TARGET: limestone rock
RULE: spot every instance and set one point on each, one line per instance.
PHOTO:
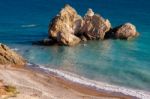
(9, 57)
(125, 31)
(67, 39)
(95, 26)
(68, 28)
(89, 12)
(67, 19)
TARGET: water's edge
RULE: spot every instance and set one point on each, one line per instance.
(99, 86)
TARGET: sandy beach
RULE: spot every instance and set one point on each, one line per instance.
(36, 85)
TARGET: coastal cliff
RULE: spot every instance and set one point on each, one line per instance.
(9, 57)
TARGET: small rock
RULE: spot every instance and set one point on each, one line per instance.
(89, 12)
(83, 38)
(45, 42)
(125, 31)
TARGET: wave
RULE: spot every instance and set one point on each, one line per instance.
(29, 26)
(95, 84)
(15, 49)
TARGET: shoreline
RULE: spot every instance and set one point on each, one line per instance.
(52, 85)
(79, 87)
(98, 87)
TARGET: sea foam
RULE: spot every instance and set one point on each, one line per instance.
(29, 26)
(15, 49)
(96, 84)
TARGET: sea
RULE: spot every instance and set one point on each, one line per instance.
(116, 62)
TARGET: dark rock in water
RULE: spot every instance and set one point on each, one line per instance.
(95, 26)
(83, 38)
(110, 34)
(9, 57)
(45, 42)
(125, 31)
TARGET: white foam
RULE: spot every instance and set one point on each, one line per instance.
(29, 64)
(98, 85)
(29, 25)
(15, 49)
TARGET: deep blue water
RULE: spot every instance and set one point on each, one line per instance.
(117, 62)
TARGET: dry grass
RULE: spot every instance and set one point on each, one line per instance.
(7, 91)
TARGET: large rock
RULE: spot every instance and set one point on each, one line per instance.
(94, 26)
(65, 26)
(9, 57)
(125, 31)
(66, 20)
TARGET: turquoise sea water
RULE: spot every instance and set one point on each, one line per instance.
(125, 63)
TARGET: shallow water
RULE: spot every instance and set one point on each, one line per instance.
(125, 63)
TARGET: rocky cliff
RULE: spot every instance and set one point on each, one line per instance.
(9, 57)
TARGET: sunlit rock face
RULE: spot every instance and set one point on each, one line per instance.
(65, 24)
(9, 57)
(95, 26)
(125, 31)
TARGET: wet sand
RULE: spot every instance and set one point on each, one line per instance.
(35, 84)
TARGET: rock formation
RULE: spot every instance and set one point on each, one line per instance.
(125, 31)
(69, 28)
(9, 57)
(95, 26)
(65, 25)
